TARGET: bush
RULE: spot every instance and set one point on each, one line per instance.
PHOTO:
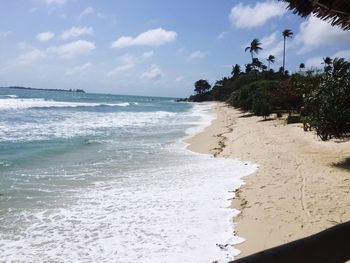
(200, 97)
(257, 97)
(262, 107)
(246, 96)
(329, 106)
(222, 89)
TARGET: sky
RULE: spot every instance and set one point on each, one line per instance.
(151, 47)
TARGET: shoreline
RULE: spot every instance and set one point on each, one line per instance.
(302, 185)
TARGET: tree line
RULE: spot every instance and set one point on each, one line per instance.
(318, 98)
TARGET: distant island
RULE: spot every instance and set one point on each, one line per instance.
(61, 90)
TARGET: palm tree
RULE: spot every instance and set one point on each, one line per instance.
(287, 33)
(327, 61)
(271, 60)
(301, 66)
(236, 70)
(248, 68)
(340, 66)
(257, 64)
(254, 47)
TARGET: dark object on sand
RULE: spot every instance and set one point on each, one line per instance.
(329, 246)
(293, 119)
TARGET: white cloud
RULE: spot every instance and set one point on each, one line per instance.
(154, 37)
(87, 11)
(45, 36)
(179, 78)
(72, 49)
(314, 62)
(33, 10)
(222, 35)
(5, 34)
(267, 41)
(198, 55)
(154, 73)
(129, 59)
(31, 57)
(77, 32)
(125, 67)
(273, 45)
(101, 15)
(78, 69)
(66, 51)
(121, 68)
(55, 2)
(180, 51)
(128, 62)
(315, 32)
(245, 16)
(24, 46)
(342, 54)
(276, 50)
(317, 61)
(148, 54)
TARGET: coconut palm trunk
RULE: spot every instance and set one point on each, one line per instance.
(284, 53)
(286, 34)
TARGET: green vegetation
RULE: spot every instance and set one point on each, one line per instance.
(270, 60)
(328, 103)
(202, 90)
(321, 100)
(254, 48)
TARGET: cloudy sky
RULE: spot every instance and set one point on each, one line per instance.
(152, 47)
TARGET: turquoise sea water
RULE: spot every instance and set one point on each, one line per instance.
(94, 177)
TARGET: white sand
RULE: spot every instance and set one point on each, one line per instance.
(302, 185)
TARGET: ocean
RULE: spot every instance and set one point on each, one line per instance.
(108, 178)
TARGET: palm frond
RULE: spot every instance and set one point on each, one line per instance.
(337, 12)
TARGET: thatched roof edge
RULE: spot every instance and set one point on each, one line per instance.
(335, 11)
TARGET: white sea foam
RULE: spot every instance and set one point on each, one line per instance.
(204, 117)
(78, 124)
(122, 104)
(16, 103)
(175, 211)
(9, 96)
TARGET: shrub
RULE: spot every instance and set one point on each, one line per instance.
(329, 106)
(222, 89)
(262, 106)
(257, 97)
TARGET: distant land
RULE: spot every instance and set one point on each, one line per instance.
(61, 90)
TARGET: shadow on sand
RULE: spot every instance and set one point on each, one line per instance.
(267, 119)
(344, 164)
(246, 115)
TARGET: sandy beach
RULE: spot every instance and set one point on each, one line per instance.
(302, 185)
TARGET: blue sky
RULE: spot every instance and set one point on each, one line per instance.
(152, 47)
